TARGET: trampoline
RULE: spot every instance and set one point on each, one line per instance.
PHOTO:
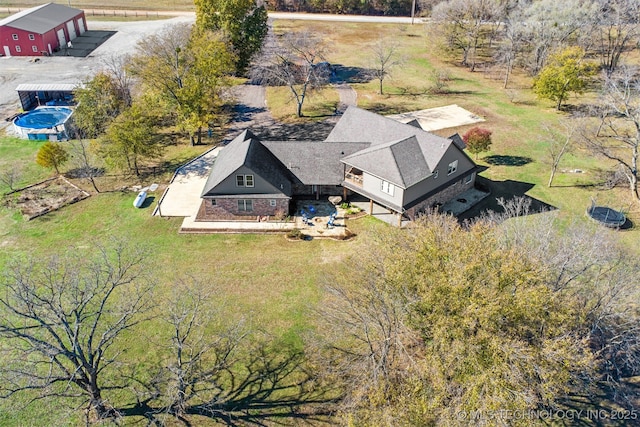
(606, 216)
(43, 123)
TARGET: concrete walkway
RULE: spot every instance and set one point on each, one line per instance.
(182, 196)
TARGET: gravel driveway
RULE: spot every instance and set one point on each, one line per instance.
(65, 69)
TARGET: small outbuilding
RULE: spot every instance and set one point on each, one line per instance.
(40, 30)
(49, 94)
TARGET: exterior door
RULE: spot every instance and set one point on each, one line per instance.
(62, 40)
(71, 29)
(7, 52)
(81, 26)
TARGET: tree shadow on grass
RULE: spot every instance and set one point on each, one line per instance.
(76, 173)
(498, 160)
(505, 190)
(604, 406)
(245, 113)
(302, 131)
(342, 73)
(268, 389)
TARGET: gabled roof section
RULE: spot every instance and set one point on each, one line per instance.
(357, 124)
(400, 162)
(40, 19)
(457, 139)
(246, 150)
(404, 154)
(314, 162)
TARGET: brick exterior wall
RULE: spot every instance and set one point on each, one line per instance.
(227, 209)
(441, 198)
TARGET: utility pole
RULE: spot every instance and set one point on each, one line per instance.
(413, 11)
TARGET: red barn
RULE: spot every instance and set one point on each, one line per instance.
(40, 30)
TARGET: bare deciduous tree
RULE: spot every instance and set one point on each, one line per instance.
(83, 159)
(10, 177)
(466, 24)
(384, 57)
(550, 26)
(617, 136)
(117, 66)
(559, 144)
(295, 62)
(589, 267)
(203, 347)
(64, 317)
(616, 29)
(509, 52)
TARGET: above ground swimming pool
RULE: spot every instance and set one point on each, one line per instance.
(42, 123)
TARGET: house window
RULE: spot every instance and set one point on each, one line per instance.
(272, 203)
(468, 179)
(34, 48)
(387, 187)
(32, 37)
(453, 166)
(435, 174)
(245, 205)
(213, 202)
(14, 36)
(244, 180)
(18, 49)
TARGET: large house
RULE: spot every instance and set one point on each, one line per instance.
(40, 30)
(396, 165)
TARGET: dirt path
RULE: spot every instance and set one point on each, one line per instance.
(251, 110)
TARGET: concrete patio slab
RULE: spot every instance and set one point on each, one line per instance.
(439, 118)
(182, 196)
(316, 226)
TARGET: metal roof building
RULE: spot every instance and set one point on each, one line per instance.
(40, 30)
(37, 94)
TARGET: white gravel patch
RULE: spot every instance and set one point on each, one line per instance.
(439, 118)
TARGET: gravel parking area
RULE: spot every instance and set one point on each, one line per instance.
(66, 69)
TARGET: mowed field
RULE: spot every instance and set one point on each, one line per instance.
(518, 159)
(179, 5)
(275, 283)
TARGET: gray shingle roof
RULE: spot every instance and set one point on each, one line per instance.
(406, 154)
(396, 152)
(247, 150)
(314, 162)
(41, 19)
(399, 162)
(457, 139)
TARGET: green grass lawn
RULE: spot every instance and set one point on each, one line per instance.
(514, 115)
(269, 280)
(319, 104)
(111, 4)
